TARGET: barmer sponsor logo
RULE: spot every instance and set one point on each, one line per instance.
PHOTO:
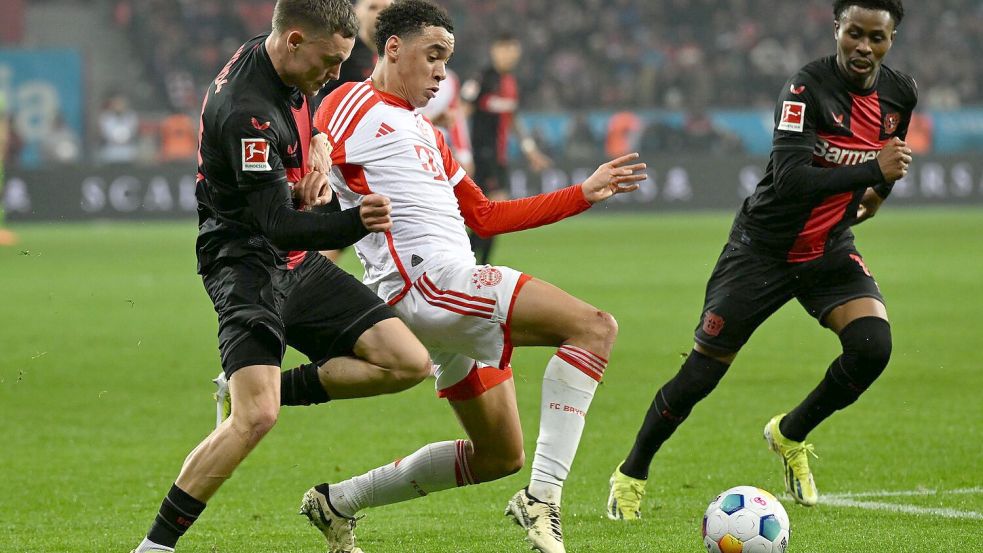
(842, 156)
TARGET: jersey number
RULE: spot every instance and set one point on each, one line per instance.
(426, 155)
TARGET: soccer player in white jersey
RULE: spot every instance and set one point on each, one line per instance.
(470, 317)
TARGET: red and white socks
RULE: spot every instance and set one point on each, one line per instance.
(571, 378)
(432, 468)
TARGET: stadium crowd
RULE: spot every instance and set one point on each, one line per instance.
(603, 53)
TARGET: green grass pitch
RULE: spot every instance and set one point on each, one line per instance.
(109, 343)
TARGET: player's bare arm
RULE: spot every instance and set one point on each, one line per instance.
(614, 177)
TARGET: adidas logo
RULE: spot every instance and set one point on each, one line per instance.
(384, 129)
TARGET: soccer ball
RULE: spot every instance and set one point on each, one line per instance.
(745, 519)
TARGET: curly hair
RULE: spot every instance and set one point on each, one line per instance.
(893, 7)
(333, 16)
(404, 18)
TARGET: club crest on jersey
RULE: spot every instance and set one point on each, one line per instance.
(793, 117)
(255, 154)
(891, 121)
(712, 323)
(486, 276)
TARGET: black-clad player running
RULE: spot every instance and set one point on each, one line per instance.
(255, 145)
(838, 148)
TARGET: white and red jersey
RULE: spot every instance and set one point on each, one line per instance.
(381, 145)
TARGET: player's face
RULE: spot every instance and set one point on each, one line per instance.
(316, 60)
(422, 63)
(505, 55)
(863, 38)
(367, 12)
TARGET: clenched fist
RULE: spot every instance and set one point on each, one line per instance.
(894, 159)
(374, 211)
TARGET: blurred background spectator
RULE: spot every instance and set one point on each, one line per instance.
(603, 53)
(61, 144)
(118, 131)
(677, 75)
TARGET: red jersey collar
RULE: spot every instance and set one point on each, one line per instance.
(391, 99)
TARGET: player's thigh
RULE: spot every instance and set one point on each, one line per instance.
(491, 421)
(250, 330)
(327, 310)
(744, 289)
(841, 289)
(390, 343)
(255, 390)
(545, 315)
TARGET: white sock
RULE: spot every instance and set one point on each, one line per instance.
(432, 468)
(569, 383)
(147, 546)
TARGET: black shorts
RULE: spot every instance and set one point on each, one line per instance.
(317, 308)
(747, 287)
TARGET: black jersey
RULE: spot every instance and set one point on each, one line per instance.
(255, 136)
(827, 136)
(496, 98)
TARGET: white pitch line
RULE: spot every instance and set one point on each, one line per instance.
(904, 493)
(900, 508)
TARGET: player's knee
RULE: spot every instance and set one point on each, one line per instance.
(599, 332)
(256, 422)
(498, 463)
(507, 464)
(412, 367)
(866, 350)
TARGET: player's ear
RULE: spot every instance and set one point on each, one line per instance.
(294, 39)
(836, 29)
(393, 44)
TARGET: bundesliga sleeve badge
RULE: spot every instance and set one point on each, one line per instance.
(255, 154)
(793, 117)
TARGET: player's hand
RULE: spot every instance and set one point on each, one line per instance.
(614, 177)
(319, 156)
(869, 205)
(312, 190)
(538, 161)
(374, 211)
(894, 159)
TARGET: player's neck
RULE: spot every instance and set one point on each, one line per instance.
(274, 49)
(383, 83)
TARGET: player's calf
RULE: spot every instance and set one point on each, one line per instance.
(866, 351)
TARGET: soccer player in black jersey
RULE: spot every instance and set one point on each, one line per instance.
(838, 148)
(255, 145)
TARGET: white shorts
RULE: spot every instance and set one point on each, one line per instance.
(462, 313)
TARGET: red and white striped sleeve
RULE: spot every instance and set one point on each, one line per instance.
(341, 111)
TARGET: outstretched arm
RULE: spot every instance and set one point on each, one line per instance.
(488, 218)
